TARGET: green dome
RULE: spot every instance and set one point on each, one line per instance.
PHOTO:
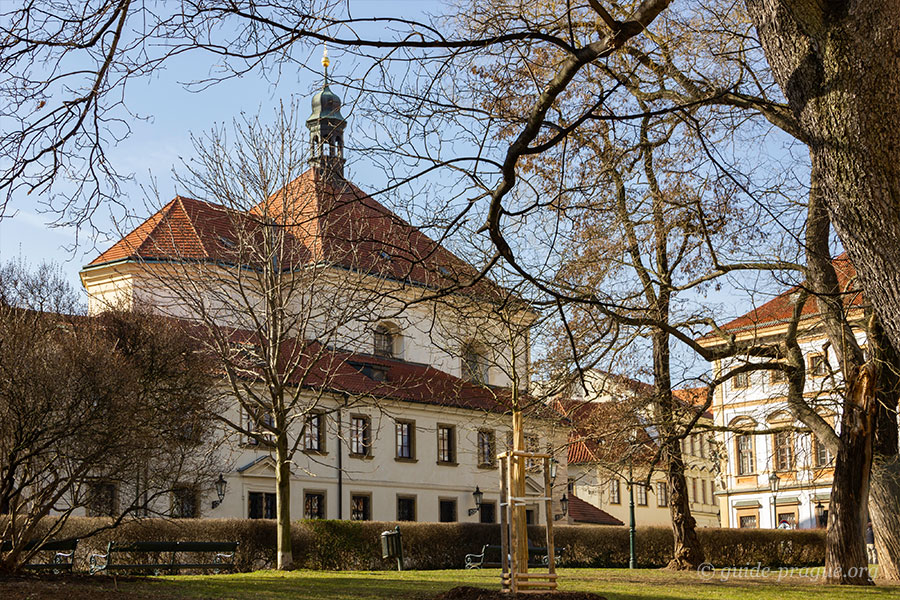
(326, 105)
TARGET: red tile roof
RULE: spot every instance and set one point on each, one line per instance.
(585, 512)
(328, 220)
(780, 309)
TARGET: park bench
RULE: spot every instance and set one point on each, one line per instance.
(490, 557)
(63, 554)
(164, 557)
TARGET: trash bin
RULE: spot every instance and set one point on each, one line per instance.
(392, 546)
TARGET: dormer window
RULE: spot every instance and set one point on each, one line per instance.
(384, 341)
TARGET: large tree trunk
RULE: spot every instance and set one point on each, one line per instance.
(688, 552)
(845, 549)
(837, 64)
(283, 503)
(884, 498)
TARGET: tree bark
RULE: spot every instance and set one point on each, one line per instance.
(845, 549)
(884, 498)
(283, 503)
(688, 552)
(837, 64)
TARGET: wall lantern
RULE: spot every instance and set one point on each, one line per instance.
(554, 467)
(221, 486)
(820, 514)
(564, 505)
(479, 496)
(774, 482)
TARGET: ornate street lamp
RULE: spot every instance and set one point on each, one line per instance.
(479, 497)
(774, 483)
(564, 505)
(554, 467)
(820, 514)
(221, 486)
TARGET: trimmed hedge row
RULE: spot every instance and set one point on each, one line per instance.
(355, 545)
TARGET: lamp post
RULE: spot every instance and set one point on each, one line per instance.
(820, 515)
(221, 486)
(774, 482)
(479, 496)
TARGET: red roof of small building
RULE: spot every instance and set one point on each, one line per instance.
(585, 512)
(780, 309)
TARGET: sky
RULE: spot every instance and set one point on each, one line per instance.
(156, 144)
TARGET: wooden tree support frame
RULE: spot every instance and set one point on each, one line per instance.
(515, 577)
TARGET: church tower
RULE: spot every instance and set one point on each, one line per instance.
(326, 129)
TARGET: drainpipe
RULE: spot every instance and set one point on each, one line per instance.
(340, 459)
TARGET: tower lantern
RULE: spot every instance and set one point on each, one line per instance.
(326, 129)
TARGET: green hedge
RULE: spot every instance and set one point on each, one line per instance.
(336, 545)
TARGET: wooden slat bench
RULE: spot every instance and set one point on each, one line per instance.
(63, 554)
(490, 557)
(165, 557)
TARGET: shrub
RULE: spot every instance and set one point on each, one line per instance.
(336, 545)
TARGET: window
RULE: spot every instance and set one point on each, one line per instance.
(314, 505)
(821, 456)
(790, 518)
(184, 503)
(703, 490)
(662, 494)
(474, 365)
(641, 493)
(693, 497)
(488, 512)
(614, 496)
(406, 508)
(314, 437)
(818, 365)
(747, 521)
(405, 431)
(446, 444)
(384, 342)
(360, 507)
(447, 511)
(777, 376)
(741, 381)
(570, 485)
(693, 445)
(360, 436)
(703, 445)
(261, 428)
(530, 518)
(745, 462)
(487, 455)
(101, 499)
(784, 450)
(261, 505)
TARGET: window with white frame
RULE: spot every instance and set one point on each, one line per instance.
(360, 435)
(314, 435)
(446, 444)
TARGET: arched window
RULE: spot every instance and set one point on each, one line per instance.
(385, 341)
(315, 145)
(474, 364)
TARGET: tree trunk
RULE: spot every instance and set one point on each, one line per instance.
(845, 549)
(884, 508)
(884, 495)
(687, 553)
(837, 64)
(283, 503)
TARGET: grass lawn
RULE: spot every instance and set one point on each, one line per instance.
(615, 584)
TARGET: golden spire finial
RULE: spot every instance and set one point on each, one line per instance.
(325, 61)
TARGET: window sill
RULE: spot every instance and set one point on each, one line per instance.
(360, 456)
(488, 467)
(447, 464)
(401, 459)
(315, 452)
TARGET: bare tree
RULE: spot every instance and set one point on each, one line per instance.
(66, 384)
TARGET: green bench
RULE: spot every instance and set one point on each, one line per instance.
(63, 554)
(164, 557)
(490, 557)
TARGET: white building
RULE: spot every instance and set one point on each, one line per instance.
(800, 468)
(412, 417)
